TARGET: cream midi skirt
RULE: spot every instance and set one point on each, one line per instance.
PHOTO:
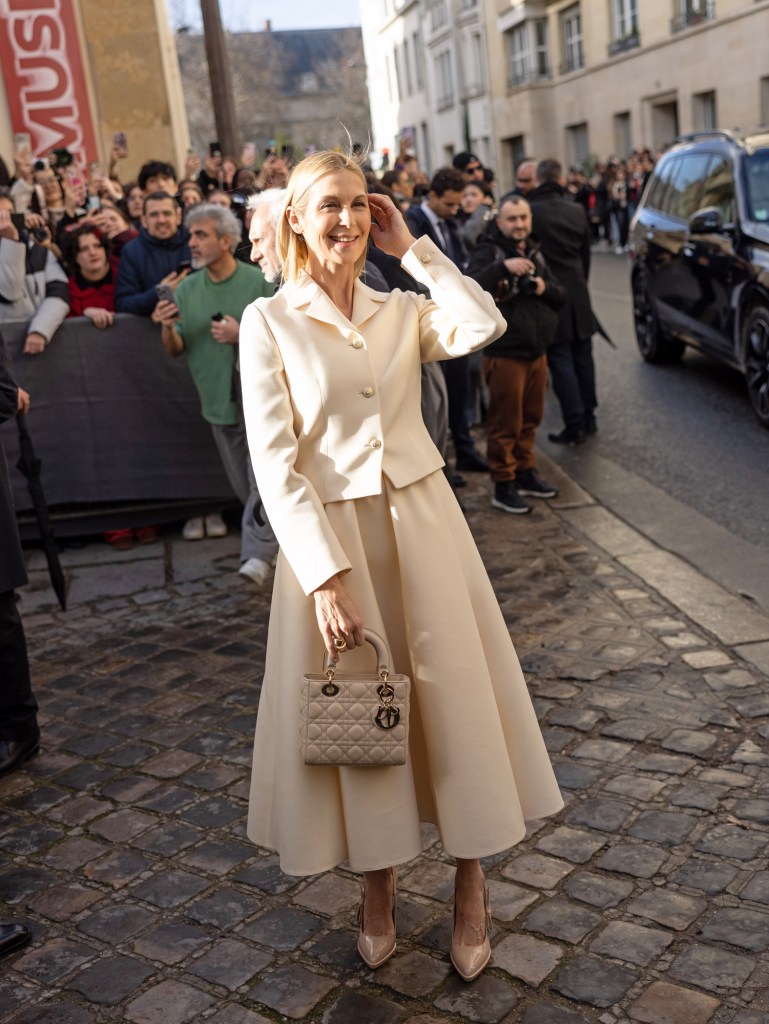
(478, 766)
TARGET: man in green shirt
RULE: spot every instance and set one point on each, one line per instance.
(205, 323)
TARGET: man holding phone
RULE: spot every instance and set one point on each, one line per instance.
(159, 256)
(33, 285)
(202, 319)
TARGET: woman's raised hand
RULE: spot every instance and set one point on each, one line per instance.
(389, 230)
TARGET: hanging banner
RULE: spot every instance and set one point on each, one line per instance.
(42, 66)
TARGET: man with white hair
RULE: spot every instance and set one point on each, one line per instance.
(204, 322)
(265, 208)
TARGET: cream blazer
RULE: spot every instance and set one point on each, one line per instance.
(331, 404)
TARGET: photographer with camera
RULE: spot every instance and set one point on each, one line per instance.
(33, 285)
(507, 263)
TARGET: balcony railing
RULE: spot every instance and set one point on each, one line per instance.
(628, 42)
(689, 18)
(527, 77)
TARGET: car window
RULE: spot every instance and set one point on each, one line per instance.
(718, 188)
(757, 173)
(662, 175)
(683, 196)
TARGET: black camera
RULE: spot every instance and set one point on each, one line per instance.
(40, 235)
(527, 284)
(62, 157)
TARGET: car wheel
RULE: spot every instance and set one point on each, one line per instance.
(654, 345)
(756, 335)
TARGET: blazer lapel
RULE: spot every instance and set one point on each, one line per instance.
(308, 295)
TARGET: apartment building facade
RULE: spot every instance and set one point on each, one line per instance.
(577, 79)
(590, 78)
(428, 78)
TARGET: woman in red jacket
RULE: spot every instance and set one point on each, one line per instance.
(92, 283)
(92, 294)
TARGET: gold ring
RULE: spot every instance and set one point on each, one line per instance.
(340, 644)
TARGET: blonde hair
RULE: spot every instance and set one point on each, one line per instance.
(291, 247)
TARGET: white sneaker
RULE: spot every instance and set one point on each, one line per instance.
(194, 529)
(256, 570)
(215, 526)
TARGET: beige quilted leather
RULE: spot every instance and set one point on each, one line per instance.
(340, 729)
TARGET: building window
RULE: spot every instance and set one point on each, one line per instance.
(514, 152)
(541, 58)
(424, 159)
(692, 12)
(467, 5)
(625, 18)
(578, 149)
(407, 67)
(571, 36)
(439, 14)
(518, 59)
(478, 61)
(398, 79)
(764, 102)
(444, 79)
(625, 26)
(418, 57)
(705, 117)
(389, 80)
(623, 143)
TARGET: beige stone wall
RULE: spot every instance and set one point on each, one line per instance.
(133, 78)
(135, 75)
(728, 55)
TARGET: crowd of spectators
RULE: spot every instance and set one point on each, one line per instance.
(81, 242)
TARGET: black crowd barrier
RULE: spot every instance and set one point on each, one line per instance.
(117, 425)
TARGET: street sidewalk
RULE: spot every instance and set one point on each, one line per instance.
(646, 899)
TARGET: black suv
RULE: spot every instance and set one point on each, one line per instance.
(700, 249)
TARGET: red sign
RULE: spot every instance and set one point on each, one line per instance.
(42, 66)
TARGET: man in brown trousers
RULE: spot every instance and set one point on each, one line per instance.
(507, 263)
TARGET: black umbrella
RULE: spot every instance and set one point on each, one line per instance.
(29, 465)
(598, 328)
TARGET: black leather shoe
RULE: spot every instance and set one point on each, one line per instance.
(14, 753)
(471, 462)
(13, 936)
(591, 427)
(567, 436)
(457, 481)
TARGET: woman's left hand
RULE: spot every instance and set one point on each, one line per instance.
(389, 230)
(337, 616)
(99, 317)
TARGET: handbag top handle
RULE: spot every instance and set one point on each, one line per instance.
(381, 649)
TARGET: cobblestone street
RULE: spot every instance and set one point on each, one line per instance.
(122, 845)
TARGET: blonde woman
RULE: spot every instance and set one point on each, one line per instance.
(371, 534)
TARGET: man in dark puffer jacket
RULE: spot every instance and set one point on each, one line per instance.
(507, 263)
(153, 258)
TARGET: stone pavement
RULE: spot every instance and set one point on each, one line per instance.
(647, 899)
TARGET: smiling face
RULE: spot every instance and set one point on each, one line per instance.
(333, 217)
(112, 221)
(161, 218)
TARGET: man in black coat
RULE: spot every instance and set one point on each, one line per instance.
(508, 264)
(561, 228)
(19, 734)
(434, 217)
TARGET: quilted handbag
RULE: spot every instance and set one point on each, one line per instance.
(356, 719)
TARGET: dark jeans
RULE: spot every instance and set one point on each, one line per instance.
(459, 390)
(573, 375)
(18, 707)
